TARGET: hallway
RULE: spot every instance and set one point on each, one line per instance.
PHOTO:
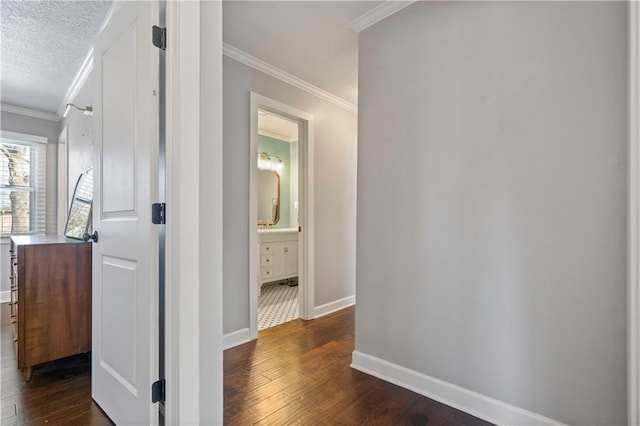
(298, 373)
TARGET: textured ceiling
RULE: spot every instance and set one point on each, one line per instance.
(43, 46)
(309, 39)
(43, 43)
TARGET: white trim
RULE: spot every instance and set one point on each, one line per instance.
(306, 220)
(5, 296)
(334, 306)
(194, 299)
(62, 180)
(28, 112)
(377, 14)
(22, 137)
(236, 338)
(633, 382)
(275, 72)
(78, 81)
(172, 250)
(474, 403)
(275, 135)
(85, 69)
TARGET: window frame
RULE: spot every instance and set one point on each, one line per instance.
(38, 183)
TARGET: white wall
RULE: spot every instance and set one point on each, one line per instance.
(80, 136)
(335, 187)
(496, 132)
(38, 127)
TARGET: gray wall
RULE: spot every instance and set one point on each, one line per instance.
(335, 190)
(497, 132)
(37, 127)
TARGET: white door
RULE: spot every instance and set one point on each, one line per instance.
(125, 295)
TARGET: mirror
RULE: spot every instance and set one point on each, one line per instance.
(79, 217)
(268, 197)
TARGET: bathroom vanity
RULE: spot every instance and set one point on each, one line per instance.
(278, 254)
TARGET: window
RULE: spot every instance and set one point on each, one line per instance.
(22, 183)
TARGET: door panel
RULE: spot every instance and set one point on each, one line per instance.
(119, 120)
(119, 345)
(125, 313)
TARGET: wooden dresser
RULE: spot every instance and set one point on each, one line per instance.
(50, 280)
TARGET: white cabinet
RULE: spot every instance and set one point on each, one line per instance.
(278, 254)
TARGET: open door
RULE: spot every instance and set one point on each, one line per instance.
(125, 265)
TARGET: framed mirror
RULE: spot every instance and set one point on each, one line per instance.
(268, 197)
(79, 218)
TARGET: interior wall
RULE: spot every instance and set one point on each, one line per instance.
(80, 136)
(498, 130)
(38, 127)
(335, 142)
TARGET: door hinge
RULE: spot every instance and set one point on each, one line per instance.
(159, 37)
(159, 213)
(157, 391)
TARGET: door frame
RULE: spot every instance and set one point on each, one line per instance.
(193, 268)
(62, 173)
(633, 328)
(305, 201)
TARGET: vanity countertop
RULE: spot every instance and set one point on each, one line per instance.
(277, 230)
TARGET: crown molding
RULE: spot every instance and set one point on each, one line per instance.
(86, 68)
(260, 65)
(78, 82)
(377, 14)
(29, 112)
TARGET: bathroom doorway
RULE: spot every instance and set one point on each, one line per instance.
(277, 192)
(281, 226)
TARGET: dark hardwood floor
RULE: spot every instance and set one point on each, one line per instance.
(298, 373)
(295, 373)
(58, 394)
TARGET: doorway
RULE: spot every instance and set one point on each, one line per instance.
(277, 192)
(280, 212)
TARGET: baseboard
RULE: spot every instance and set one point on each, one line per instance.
(336, 305)
(476, 404)
(5, 296)
(235, 338)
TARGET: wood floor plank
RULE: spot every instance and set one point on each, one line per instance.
(58, 394)
(299, 373)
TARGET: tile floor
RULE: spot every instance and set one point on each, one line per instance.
(277, 304)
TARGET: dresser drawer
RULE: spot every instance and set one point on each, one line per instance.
(266, 260)
(266, 248)
(266, 273)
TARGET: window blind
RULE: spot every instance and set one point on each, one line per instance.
(22, 186)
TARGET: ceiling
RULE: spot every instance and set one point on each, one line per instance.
(309, 39)
(44, 43)
(274, 126)
(43, 46)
